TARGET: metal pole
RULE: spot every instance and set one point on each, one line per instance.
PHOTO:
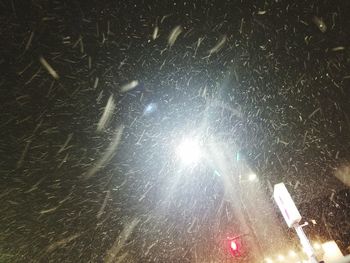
(306, 244)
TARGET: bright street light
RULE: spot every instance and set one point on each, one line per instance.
(189, 151)
(280, 258)
(292, 253)
(252, 177)
(317, 245)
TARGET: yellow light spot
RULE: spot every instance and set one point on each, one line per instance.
(252, 177)
(280, 258)
(317, 245)
(292, 253)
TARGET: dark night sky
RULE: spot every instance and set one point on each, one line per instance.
(283, 66)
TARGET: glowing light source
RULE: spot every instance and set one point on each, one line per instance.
(317, 245)
(280, 258)
(292, 253)
(268, 260)
(252, 177)
(150, 108)
(189, 151)
(234, 246)
(332, 252)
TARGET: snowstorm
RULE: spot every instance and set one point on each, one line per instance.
(174, 131)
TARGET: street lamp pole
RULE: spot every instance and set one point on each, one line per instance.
(292, 217)
(305, 243)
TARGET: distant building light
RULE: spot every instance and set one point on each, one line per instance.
(317, 245)
(189, 151)
(331, 252)
(292, 253)
(280, 258)
(252, 177)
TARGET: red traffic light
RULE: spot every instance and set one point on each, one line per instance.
(234, 247)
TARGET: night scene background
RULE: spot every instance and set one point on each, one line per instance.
(97, 96)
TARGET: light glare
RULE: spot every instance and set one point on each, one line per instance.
(280, 258)
(233, 245)
(317, 245)
(189, 151)
(292, 253)
(252, 177)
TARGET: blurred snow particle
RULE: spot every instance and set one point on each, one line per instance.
(155, 33)
(338, 49)
(121, 258)
(119, 243)
(107, 114)
(109, 153)
(218, 45)
(131, 85)
(174, 34)
(319, 23)
(150, 108)
(241, 26)
(343, 174)
(49, 69)
(296, 185)
(61, 243)
(64, 146)
(100, 212)
(29, 40)
(198, 44)
(261, 12)
(314, 112)
(50, 210)
(96, 82)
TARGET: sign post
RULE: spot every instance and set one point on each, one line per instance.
(292, 217)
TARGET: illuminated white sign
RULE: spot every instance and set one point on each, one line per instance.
(286, 204)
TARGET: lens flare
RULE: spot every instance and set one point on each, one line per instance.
(189, 151)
